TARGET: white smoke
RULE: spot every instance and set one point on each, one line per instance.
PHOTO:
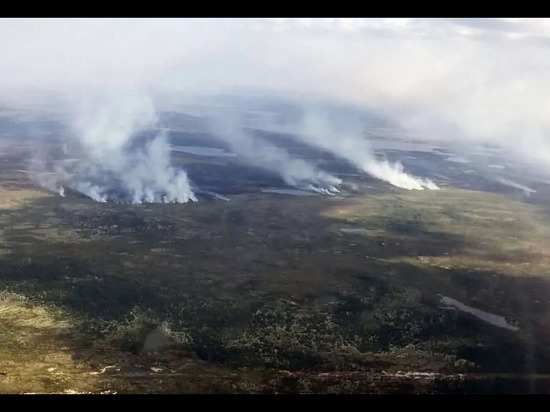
(392, 173)
(91, 190)
(294, 171)
(112, 165)
(42, 171)
(346, 140)
(457, 80)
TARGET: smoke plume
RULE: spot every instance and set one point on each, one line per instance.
(346, 140)
(112, 164)
(341, 132)
(460, 81)
(294, 171)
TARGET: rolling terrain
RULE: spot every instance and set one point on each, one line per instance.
(255, 290)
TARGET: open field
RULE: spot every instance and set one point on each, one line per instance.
(378, 290)
(266, 293)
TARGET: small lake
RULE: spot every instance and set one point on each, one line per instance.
(292, 192)
(203, 151)
(457, 159)
(355, 230)
(495, 320)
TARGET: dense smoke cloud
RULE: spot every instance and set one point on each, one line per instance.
(110, 165)
(459, 80)
(294, 171)
(347, 140)
(338, 131)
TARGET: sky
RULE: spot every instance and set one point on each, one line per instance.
(457, 79)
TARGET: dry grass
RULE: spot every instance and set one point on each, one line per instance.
(35, 353)
(11, 199)
(502, 235)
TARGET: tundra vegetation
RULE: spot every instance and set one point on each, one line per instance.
(265, 293)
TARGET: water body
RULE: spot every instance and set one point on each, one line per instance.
(495, 320)
(34, 173)
(203, 151)
(484, 151)
(516, 185)
(326, 299)
(381, 144)
(457, 159)
(221, 197)
(292, 192)
(355, 230)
